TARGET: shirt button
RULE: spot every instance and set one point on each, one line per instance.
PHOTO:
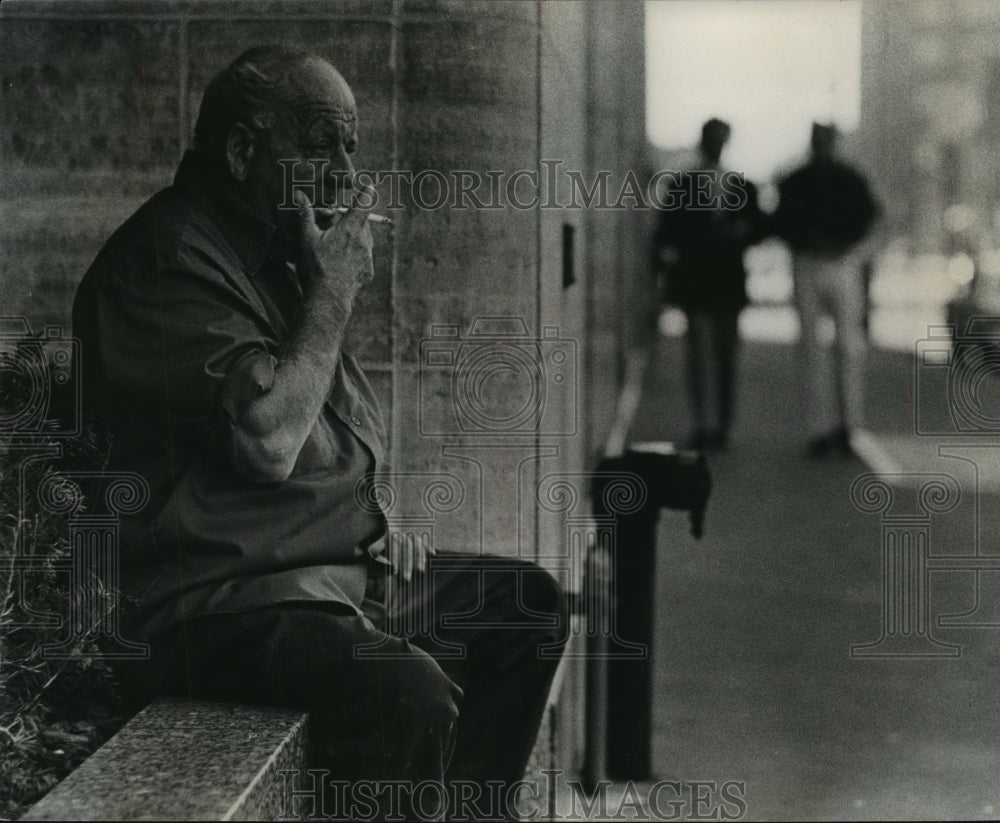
(356, 420)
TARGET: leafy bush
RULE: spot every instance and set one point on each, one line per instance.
(54, 711)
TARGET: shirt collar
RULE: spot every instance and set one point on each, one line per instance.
(250, 235)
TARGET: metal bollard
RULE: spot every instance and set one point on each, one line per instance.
(674, 480)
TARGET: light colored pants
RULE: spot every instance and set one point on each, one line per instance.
(835, 288)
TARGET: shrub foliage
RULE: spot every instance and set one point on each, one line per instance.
(54, 710)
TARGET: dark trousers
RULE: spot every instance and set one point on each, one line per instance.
(446, 681)
(712, 342)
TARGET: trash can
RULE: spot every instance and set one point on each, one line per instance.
(673, 479)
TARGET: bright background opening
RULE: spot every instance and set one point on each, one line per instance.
(768, 67)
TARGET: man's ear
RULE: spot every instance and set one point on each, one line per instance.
(239, 151)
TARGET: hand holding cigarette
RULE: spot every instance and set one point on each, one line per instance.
(372, 218)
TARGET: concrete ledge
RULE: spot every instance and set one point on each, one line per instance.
(177, 760)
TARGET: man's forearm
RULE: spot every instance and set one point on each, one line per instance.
(269, 436)
(334, 264)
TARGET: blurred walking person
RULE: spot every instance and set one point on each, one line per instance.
(825, 212)
(707, 220)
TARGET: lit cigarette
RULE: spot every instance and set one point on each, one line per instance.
(372, 218)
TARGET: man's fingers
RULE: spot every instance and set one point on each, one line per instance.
(306, 216)
(353, 213)
(408, 558)
(409, 554)
(353, 222)
(302, 203)
(397, 553)
(422, 550)
(401, 556)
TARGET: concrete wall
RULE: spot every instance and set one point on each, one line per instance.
(99, 102)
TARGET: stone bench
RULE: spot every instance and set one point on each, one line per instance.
(180, 760)
(199, 760)
(177, 760)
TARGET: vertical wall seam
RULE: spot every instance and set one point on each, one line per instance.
(183, 101)
(587, 252)
(621, 281)
(394, 354)
(539, 272)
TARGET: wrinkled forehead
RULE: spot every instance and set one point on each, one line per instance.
(317, 88)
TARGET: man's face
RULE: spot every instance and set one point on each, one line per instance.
(317, 131)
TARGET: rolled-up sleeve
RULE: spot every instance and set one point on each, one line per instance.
(247, 379)
(184, 343)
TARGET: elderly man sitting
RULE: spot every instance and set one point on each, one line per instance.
(211, 326)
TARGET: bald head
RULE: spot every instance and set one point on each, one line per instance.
(270, 87)
(315, 79)
(277, 116)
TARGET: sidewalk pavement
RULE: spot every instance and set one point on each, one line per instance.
(754, 677)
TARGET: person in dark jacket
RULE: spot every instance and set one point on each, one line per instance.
(706, 223)
(824, 214)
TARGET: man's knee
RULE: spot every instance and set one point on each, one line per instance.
(422, 693)
(542, 594)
